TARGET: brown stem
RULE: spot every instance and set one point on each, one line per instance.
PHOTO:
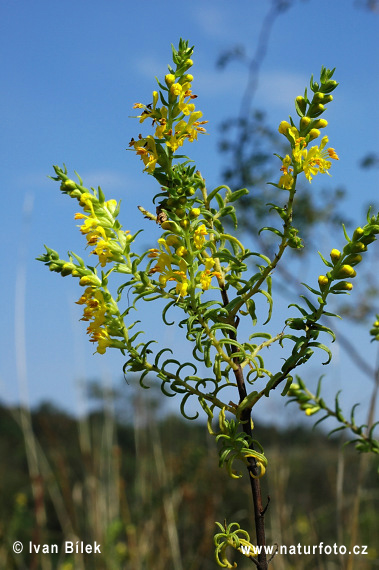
(253, 468)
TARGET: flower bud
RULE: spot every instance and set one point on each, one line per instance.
(367, 239)
(318, 97)
(111, 205)
(89, 280)
(357, 247)
(330, 85)
(172, 240)
(327, 99)
(180, 212)
(313, 134)
(345, 271)
(323, 282)
(184, 224)
(342, 286)
(312, 410)
(320, 124)
(188, 63)
(68, 185)
(301, 103)
(335, 254)
(67, 269)
(194, 213)
(169, 79)
(170, 226)
(353, 259)
(358, 233)
(316, 110)
(283, 127)
(304, 123)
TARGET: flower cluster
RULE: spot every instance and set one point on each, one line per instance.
(101, 228)
(101, 312)
(316, 159)
(94, 312)
(342, 264)
(175, 265)
(176, 120)
(311, 162)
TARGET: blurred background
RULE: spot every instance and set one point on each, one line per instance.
(78, 439)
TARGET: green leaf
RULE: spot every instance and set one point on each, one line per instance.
(237, 194)
(311, 289)
(301, 309)
(156, 361)
(224, 327)
(327, 263)
(324, 348)
(270, 229)
(167, 307)
(310, 305)
(270, 302)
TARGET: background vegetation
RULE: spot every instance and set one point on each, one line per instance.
(147, 488)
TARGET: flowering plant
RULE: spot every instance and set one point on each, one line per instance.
(208, 274)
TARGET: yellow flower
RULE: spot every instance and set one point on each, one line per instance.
(286, 180)
(103, 252)
(185, 107)
(199, 236)
(189, 130)
(182, 286)
(175, 89)
(96, 312)
(164, 266)
(160, 130)
(315, 160)
(181, 251)
(146, 149)
(86, 200)
(103, 340)
(205, 279)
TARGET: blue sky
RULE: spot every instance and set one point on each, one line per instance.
(71, 73)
